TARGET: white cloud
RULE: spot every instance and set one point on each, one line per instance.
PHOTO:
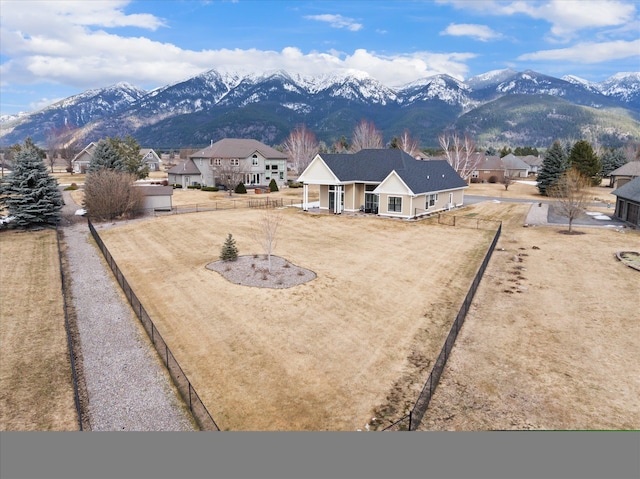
(567, 17)
(588, 52)
(54, 43)
(479, 32)
(337, 21)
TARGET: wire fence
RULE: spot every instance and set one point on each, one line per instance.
(412, 421)
(188, 392)
(225, 204)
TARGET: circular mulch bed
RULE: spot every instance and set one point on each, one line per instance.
(630, 258)
(253, 270)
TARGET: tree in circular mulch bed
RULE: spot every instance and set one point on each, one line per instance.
(229, 249)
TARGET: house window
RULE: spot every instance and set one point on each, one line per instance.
(282, 175)
(267, 167)
(217, 162)
(235, 162)
(475, 174)
(254, 160)
(274, 167)
(395, 203)
(210, 162)
(431, 200)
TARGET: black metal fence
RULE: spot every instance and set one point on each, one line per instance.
(412, 421)
(189, 394)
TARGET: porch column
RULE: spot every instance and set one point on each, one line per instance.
(305, 197)
(338, 200)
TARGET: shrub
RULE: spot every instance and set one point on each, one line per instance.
(110, 194)
(241, 189)
(273, 186)
(210, 188)
(71, 187)
(194, 187)
(165, 183)
(493, 179)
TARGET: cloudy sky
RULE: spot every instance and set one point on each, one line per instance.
(50, 50)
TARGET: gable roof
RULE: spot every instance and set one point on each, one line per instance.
(87, 150)
(187, 167)
(532, 160)
(628, 169)
(512, 162)
(629, 191)
(373, 166)
(238, 148)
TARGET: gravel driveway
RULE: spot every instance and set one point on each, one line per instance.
(127, 386)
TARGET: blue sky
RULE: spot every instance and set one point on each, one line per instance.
(50, 50)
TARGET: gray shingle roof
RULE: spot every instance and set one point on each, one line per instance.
(238, 148)
(628, 169)
(187, 167)
(373, 166)
(629, 191)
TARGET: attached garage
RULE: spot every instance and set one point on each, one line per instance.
(628, 202)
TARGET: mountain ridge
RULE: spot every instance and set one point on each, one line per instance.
(329, 105)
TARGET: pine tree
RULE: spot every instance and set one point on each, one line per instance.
(29, 193)
(585, 161)
(240, 189)
(229, 250)
(553, 165)
(612, 160)
(107, 157)
(273, 186)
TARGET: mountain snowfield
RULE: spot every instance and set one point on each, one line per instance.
(267, 105)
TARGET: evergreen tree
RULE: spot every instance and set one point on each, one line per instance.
(611, 160)
(583, 159)
(106, 157)
(29, 193)
(554, 164)
(241, 189)
(229, 250)
(128, 150)
(505, 151)
(273, 186)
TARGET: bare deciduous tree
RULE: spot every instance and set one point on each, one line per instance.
(229, 175)
(508, 177)
(266, 232)
(301, 147)
(408, 144)
(460, 153)
(61, 141)
(110, 194)
(365, 136)
(571, 194)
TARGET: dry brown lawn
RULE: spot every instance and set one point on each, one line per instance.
(36, 389)
(530, 192)
(356, 341)
(551, 341)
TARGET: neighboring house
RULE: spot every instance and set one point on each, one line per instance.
(628, 202)
(257, 163)
(150, 158)
(624, 174)
(492, 169)
(387, 182)
(156, 197)
(81, 161)
(534, 162)
(185, 174)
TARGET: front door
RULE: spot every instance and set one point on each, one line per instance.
(332, 198)
(370, 203)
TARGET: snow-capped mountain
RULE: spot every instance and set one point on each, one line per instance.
(268, 105)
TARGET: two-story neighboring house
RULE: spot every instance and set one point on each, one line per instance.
(253, 162)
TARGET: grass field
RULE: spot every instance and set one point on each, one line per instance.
(551, 341)
(328, 354)
(36, 389)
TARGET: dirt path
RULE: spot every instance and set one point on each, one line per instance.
(127, 386)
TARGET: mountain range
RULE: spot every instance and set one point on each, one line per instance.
(502, 107)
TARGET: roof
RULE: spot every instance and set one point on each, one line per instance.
(238, 148)
(628, 169)
(187, 167)
(86, 150)
(532, 160)
(155, 190)
(512, 162)
(373, 166)
(629, 191)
